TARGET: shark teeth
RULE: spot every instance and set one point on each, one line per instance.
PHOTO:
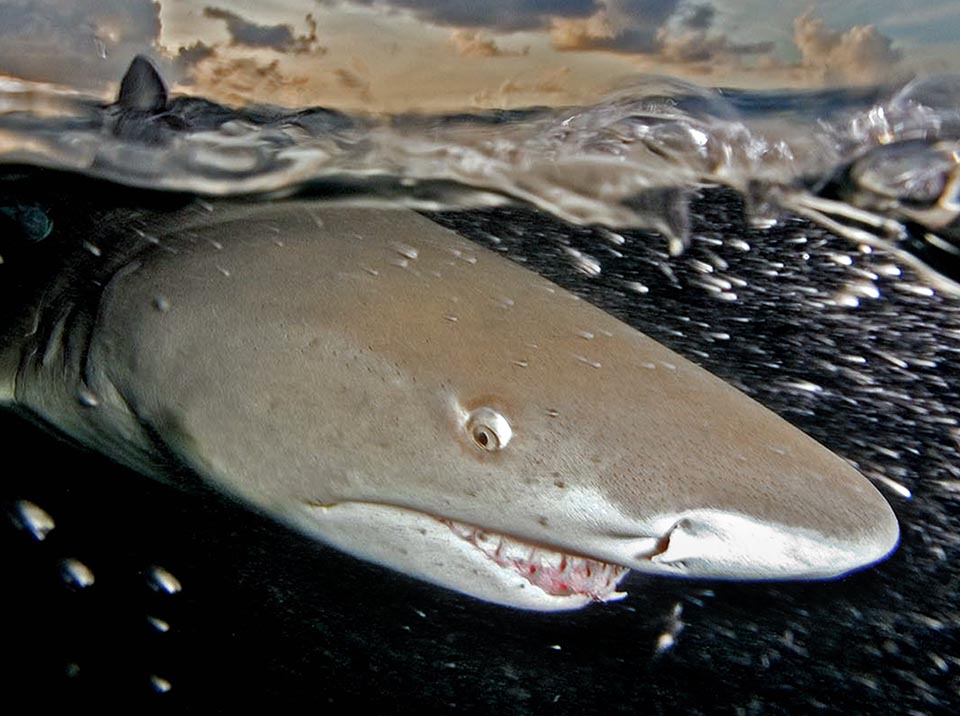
(556, 573)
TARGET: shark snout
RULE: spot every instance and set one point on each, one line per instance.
(720, 544)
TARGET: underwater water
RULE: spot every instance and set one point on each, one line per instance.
(802, 246)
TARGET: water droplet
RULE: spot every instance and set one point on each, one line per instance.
(76, 572)
(159, 684)
(587, 361)
(450, 317)
(224, 271)
(35, 519)
(88, 398)
(804, 385)
(901, 490)
(613, 237)
(637, 286)
(521, 363)
(665, 642)
(164, 581)
(841, 259)
(371, 271)
(847, 300)
(586, 335)
(159, 624)
(405, 250)
(146, 237)
(92, 248)
(400, 263)
(668, 366)
(101, 48)
(584, 263)
(553, 413)
(161, 303)
(916, 290)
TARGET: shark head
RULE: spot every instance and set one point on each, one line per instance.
(393, 390)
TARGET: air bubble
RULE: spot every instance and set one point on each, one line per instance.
(88, 398)
(76, 572)
(405, 250)
(162, 580)
(588, 361)
(35, 519)
(159, 624)
(159, 684)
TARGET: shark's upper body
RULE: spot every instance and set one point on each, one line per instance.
(380, 383)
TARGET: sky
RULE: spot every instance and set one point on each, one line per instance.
(397, 55)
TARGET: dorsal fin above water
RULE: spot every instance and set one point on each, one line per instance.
(142, 88)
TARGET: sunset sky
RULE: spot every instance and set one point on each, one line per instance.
(432, 54)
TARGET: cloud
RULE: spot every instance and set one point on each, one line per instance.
(665, 30)
(476, 43)
(492, 15)
(352, 81)
(698, 17)
(860, 54)
(219, 70)
(518, 91)
(188, 58)
(84, 43)
(280, 38)
(628, 26)
(238, 80)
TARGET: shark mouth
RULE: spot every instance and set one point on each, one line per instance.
(556, 573)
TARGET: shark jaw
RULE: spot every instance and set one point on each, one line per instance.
(517, 572)
(495, 567)
(556, 573)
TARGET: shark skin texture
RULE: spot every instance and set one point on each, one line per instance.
(389, 388)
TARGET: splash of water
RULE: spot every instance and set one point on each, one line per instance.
(879, 166)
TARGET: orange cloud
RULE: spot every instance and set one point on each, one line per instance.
(860, 54)
(475, 43)
(350, 80)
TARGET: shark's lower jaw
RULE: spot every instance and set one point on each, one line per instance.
(556, 573)
(464, 557)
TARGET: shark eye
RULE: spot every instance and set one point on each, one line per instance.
(489, 429)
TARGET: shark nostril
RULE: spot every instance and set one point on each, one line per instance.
(661, 545)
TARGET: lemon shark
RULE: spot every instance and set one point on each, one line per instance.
(384, 385)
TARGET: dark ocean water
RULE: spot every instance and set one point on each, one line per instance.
(717, 242)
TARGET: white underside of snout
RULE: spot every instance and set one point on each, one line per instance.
(725, 545)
